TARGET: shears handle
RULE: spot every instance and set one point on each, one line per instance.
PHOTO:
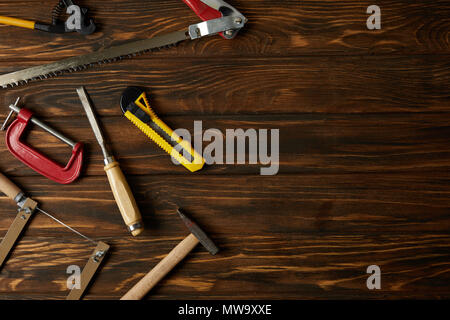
(204, 11)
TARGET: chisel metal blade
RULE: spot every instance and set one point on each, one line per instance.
(93, 121)
(91, 59)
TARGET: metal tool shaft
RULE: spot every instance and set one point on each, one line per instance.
(119, 185)
(174, 257)
(94, 123)
(65, 225)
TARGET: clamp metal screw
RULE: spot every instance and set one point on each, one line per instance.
(9, 116)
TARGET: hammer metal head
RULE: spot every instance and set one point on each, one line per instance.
(199, 233)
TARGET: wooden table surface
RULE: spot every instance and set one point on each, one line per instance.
(364, 152)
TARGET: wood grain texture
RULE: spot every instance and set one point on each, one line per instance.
(364, 152)
(252, 85)
(308, 144)
(318, 246)
(280, 28)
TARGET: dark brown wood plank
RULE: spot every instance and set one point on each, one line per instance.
(252, 86)
(357, 199)
(308, 144)
(317, 247)
(249, 264)
(274, 28)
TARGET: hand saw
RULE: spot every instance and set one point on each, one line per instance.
(218, 18)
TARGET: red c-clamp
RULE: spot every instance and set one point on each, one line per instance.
(34, 159)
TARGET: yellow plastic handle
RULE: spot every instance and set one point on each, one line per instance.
(197, 160)
(17, 22)
(124, 197)
(162, 269)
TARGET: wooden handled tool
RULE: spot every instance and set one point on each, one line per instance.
(119, 185)
(172, 259)
(9, 188)
(15, 141)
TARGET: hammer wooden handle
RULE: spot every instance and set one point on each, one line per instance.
(162, 269)
(8, 188)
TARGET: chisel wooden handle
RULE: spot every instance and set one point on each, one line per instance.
(124, 198)
(8, 188)
(162, 269)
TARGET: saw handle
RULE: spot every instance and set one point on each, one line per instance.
(8, 187)
(124, 197)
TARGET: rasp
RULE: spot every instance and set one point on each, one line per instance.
(218, 18)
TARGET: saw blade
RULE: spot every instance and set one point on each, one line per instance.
(77, 63)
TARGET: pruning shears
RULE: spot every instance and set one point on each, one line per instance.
(77, 21)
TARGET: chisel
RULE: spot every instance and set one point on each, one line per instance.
(119, 186)
(85, 27)
(28, 206)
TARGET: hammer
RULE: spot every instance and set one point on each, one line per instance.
(172, 259)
